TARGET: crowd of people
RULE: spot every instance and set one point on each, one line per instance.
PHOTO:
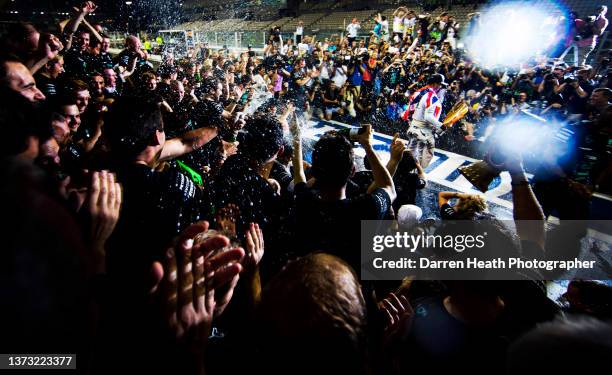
(164, 218)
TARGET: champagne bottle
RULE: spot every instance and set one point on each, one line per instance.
(352, 134)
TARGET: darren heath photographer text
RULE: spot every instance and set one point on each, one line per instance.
(475, 263)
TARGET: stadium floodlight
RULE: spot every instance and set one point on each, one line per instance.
(512, 32)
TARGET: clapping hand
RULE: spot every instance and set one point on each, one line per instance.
(254, 246)
(196, 282)
(399, 315)
(102, 206)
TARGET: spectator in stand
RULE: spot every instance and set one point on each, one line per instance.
(352, 30)
(299, 32)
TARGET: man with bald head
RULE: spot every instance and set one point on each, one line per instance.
(133, 54)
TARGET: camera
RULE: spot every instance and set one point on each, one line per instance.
(506, 95)
(569, 79)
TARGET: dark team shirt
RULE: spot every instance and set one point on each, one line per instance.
(331, 94)
(165, 90)
(406, 186)
(297, 75)
(156, 207)
(177, 122)
(126, 59)
(46, 85)
(77, 63)
(237, 183)
(102, 61)
(281, 174)
(334, 226)
(439, 342)
(209, 155)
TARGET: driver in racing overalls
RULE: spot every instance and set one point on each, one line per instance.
(425, 107)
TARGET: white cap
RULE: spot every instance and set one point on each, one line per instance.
(409, 215)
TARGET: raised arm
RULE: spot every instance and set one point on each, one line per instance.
(297, 160)
(528, 214)
(48, 48)
(92, 30)
(445, 196)
(397, 154)
(188, 142)
(382, 177)
(73, 24)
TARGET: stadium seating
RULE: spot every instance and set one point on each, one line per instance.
(309, 19)
(333, 16)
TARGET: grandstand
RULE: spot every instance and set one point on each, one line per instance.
(325, 15)
(251, 20)
(309, 20)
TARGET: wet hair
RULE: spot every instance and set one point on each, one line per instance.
(314, 315)
(261, 138)
(209, 85)
(59, 101)
(332, 160)
(131, 124)
(166, 72)
(271, 105)
(564, 346)
(471, 206)
(206, 115)
(555, 98)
